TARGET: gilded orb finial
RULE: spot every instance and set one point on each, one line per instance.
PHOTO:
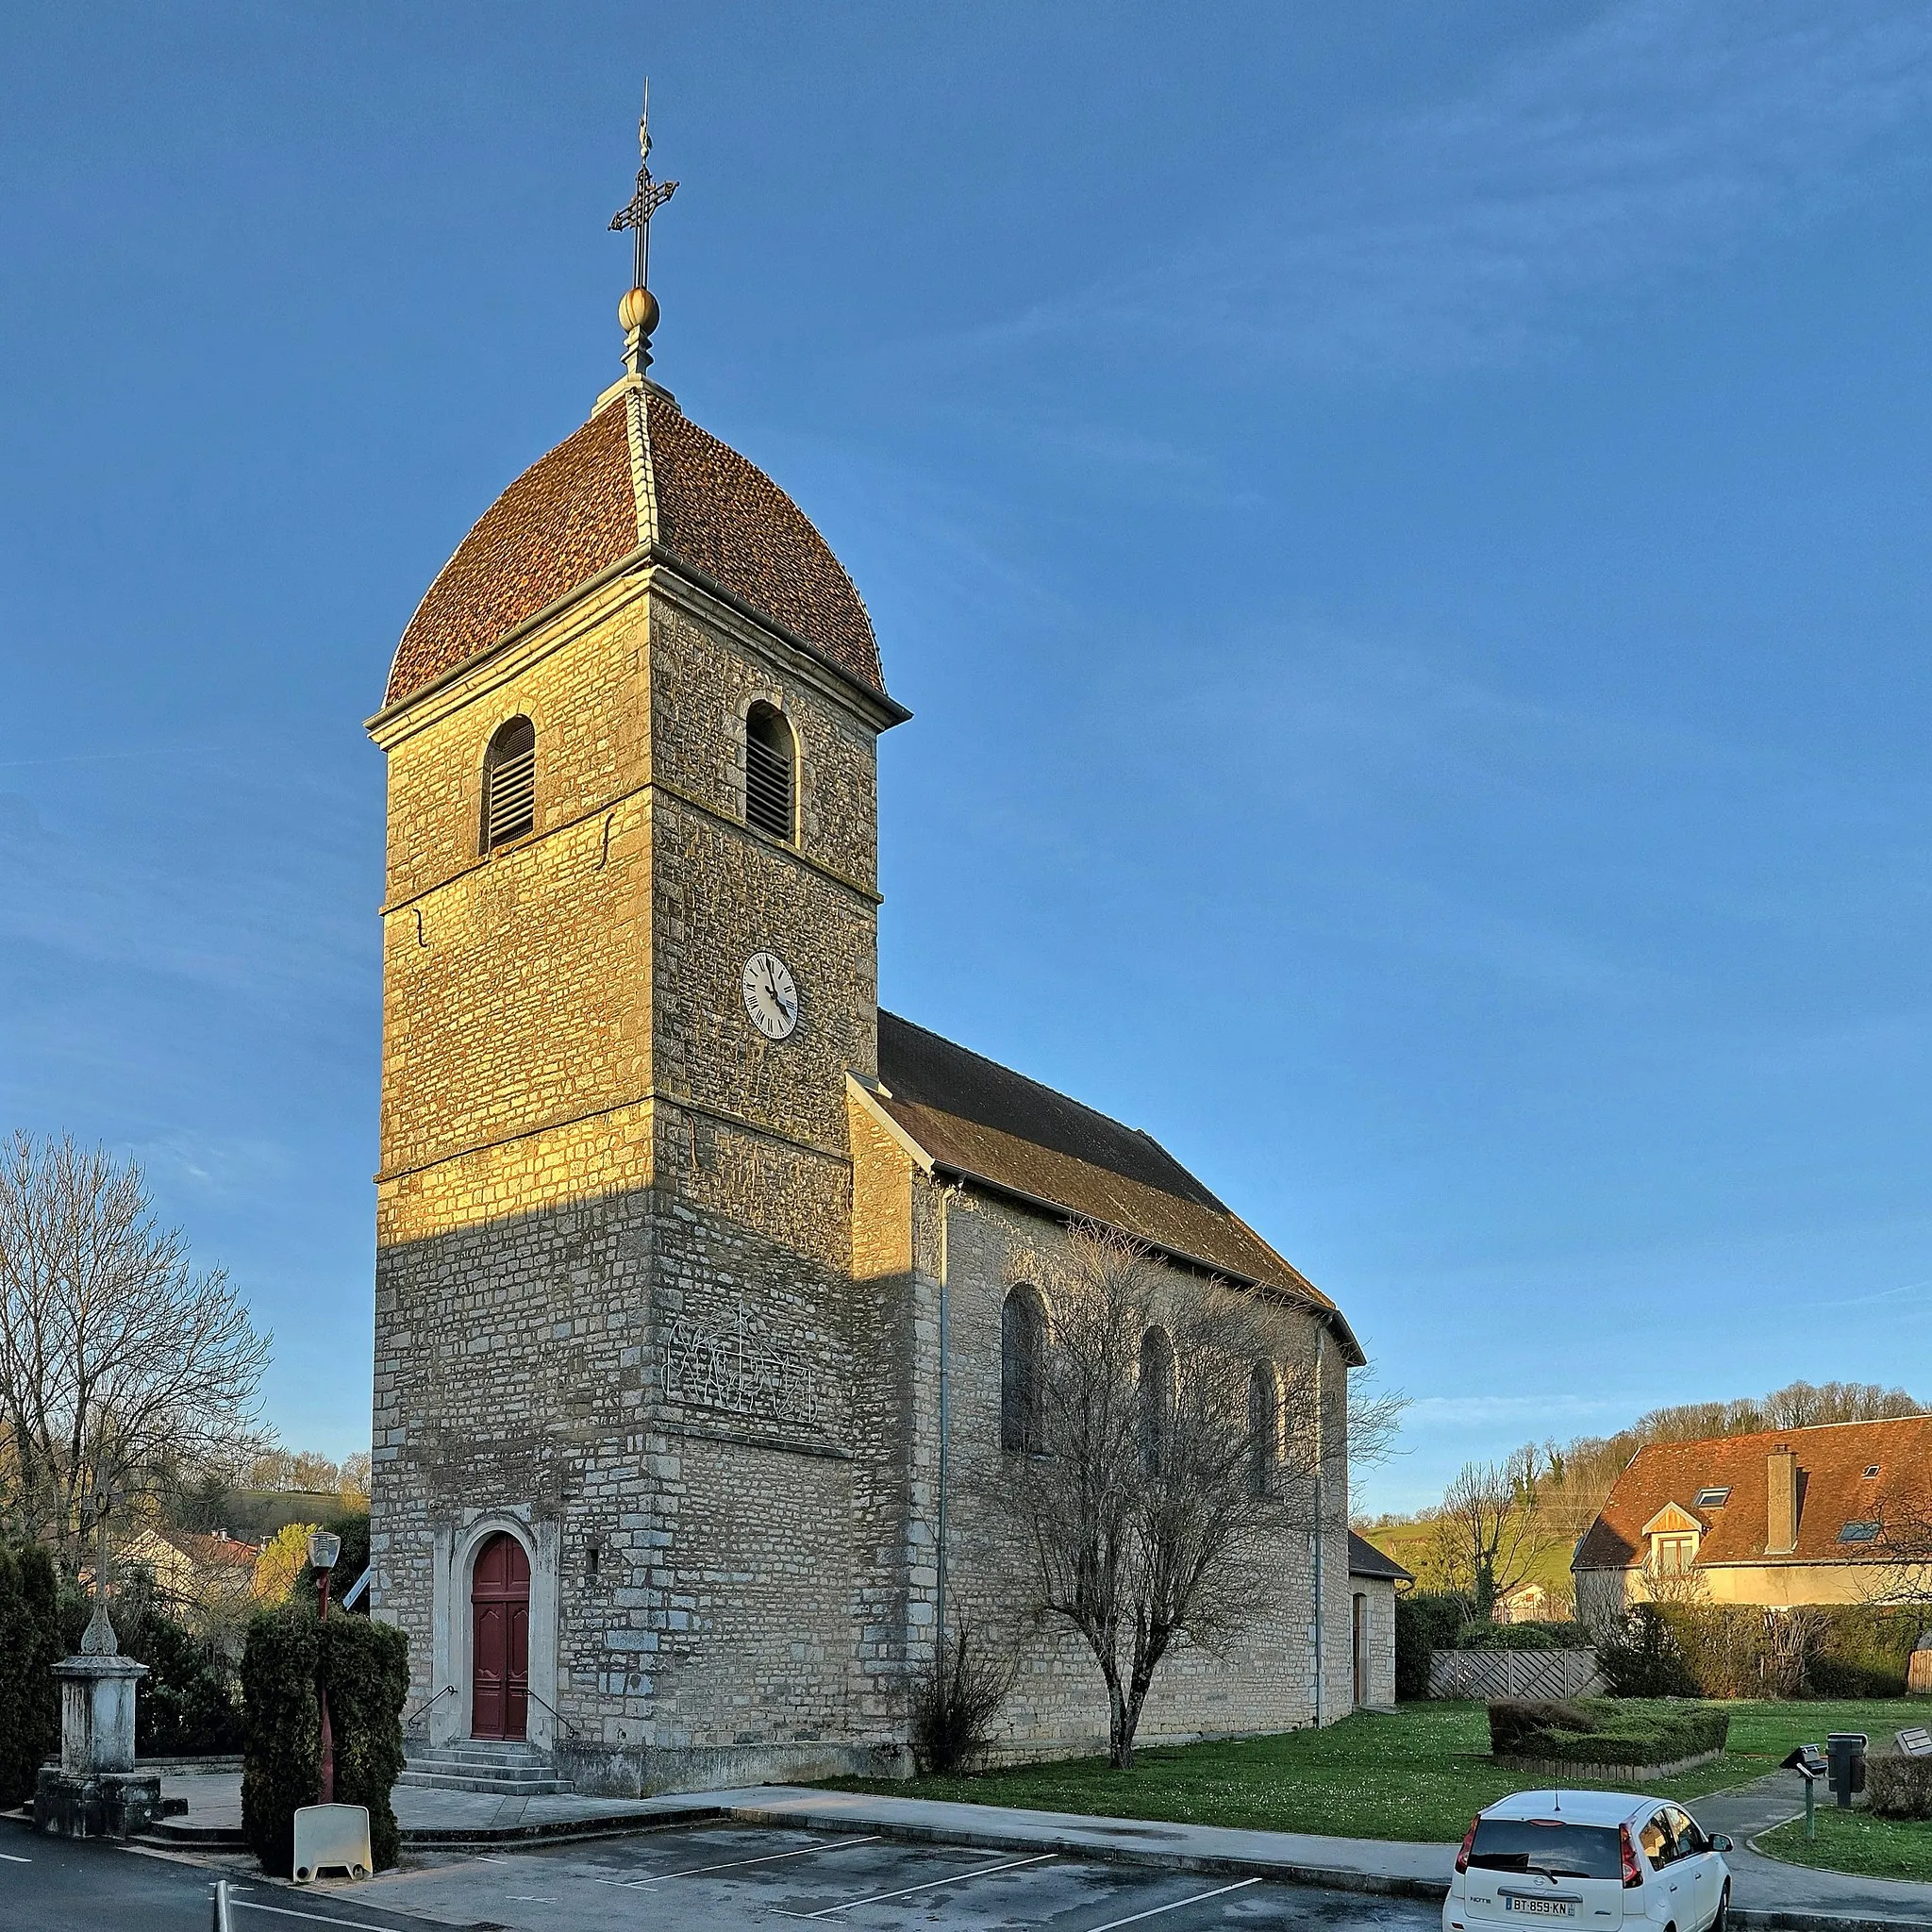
(639, 311)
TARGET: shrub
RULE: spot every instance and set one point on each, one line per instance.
(1549, 1635)
(955, 1703)
(1516, 1721)
(1425, 1621)
(281, 1768)
(29, 1648)
(1899, 1786)
(186, 1706)
(1639, 1657)
(366, 1668)
(1606, 1731)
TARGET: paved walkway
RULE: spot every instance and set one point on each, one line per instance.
(1767, 1892)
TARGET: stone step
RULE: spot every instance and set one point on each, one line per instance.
(531, 1784)
(474, 1753)
(180, 1832)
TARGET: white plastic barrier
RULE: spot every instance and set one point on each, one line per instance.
(331, 1838)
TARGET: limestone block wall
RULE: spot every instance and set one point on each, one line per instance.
(1378, 1646)
(1264, 1679)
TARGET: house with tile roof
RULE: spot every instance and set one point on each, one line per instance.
(1790, 1516)
(703, 1284)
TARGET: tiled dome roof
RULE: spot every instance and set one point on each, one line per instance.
(638, 476)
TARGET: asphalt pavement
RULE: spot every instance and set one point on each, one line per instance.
(727, 1877)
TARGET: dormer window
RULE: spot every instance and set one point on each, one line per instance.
(1873, 1471)
(1673, 1535)
(1858, 1533)
(770, 750)
(509, 784)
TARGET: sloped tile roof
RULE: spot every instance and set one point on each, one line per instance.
(976, 1118)
(637, 477)
(1833, 1490)
(1365, 1559)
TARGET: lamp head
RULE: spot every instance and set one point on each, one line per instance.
(323, 1549)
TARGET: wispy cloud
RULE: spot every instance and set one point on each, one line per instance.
(1653, 135)
(1495, 1411)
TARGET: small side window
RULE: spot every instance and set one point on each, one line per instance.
(1157, 1394)
(770, 752)
(509, 784)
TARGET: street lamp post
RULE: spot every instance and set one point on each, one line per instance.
(323, 1551)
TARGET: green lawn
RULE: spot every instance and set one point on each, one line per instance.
(1857, 1842)
(1420, 1774)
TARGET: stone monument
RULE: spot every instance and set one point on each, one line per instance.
(95, 1791)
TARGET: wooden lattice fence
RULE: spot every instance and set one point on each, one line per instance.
(1483, 1676)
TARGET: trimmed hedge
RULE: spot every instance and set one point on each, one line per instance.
(1545, 1636)
(1741, 1650)
(1899, 1786)
(1604, 1730)
(1425, 1621)
(367, 1667)
(367, 1673)
(29, 1649)
(1639, 1657)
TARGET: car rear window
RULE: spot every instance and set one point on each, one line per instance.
(1547, 1844)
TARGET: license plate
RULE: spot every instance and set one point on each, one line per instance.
(1542, 1907)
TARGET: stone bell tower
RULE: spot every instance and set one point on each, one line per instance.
(625, 1445)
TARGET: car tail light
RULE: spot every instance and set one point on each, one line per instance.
(1469, 1839)
(1633, 1872)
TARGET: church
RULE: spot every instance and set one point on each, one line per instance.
(694, 1267)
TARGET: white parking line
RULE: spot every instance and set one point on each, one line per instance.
(12, 1860)
(735, 1864)
(930, 1885)
(248, 1905)
(1155, 1911)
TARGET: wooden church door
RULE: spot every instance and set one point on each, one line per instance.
(500, 1640)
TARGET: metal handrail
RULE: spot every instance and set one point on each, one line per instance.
(447, 1691)
(557, 1714)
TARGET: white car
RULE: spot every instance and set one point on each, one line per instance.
(1596, 1859)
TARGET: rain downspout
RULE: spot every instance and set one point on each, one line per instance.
(1321, 1471)
(947, 1195)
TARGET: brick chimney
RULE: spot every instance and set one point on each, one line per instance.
(1781, 1502)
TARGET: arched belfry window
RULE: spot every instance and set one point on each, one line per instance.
(1264, 1429)
(1022, 1372)
(509, 783)
(1156, 1400)
(769, 755)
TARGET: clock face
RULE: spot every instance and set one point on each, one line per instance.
(771, 995)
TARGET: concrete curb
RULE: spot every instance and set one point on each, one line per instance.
(991, 1839)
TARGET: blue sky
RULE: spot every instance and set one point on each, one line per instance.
(1403, 530)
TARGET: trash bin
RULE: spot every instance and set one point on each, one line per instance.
(1846, 1753)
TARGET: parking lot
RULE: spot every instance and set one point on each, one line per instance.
(734, 1876)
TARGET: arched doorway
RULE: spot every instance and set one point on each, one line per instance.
(500, 1640)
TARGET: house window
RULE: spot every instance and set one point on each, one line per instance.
(1022, 1372)
(1873, 1471)
(509, 784)
(1264, 1429)
(770, 750)
(1673, 1555)
(1714, 1499)
(1858, 1533)
(1156, 1401)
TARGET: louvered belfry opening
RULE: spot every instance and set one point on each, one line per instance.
(509, 784)
(767, 770)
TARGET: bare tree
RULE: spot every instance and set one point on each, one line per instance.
(1170, 1447)
(119, 1364)
(1491, 1529)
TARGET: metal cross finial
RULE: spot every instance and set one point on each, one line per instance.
(651, 195)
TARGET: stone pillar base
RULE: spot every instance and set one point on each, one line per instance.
(95, 1804)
